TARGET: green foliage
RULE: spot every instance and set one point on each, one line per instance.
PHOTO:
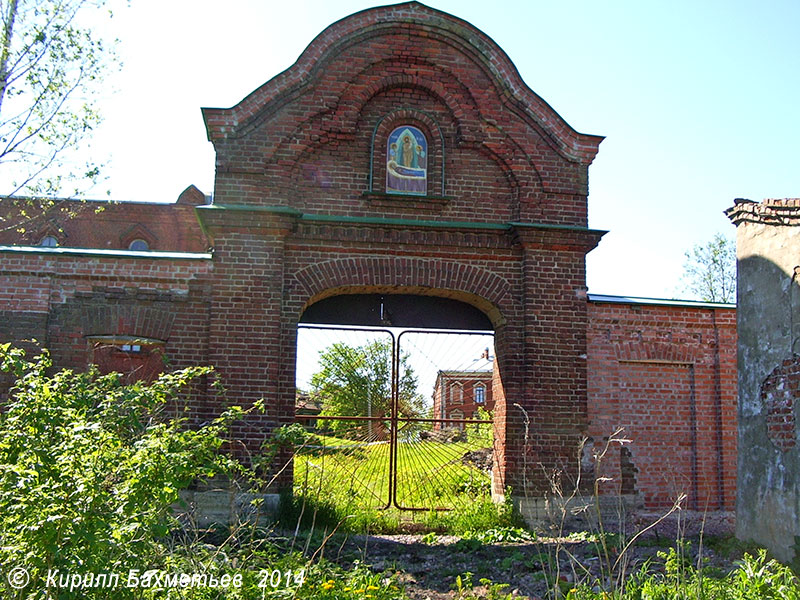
(50, 67)
(483, 432)
(462, 585)
(89, 467)
(313, 511)
(357, 381)
(677, 560)
(476, 538)
(754, 578)
(495, 591)
(729, 546)
(356, 583)
(467, 545)
(464, 589)
(479, 515)
(498, 535)
(271, 568)
(429, 538)
(758, 577)
(710, 270)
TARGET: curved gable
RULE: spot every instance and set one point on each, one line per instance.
(309, 138)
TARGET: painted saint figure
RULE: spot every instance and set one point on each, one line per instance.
(406, 162)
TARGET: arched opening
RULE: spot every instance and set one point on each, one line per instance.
(409, 311)
(395, 393)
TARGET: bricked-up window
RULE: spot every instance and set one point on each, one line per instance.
(779, 393)
(407, 161)
(456, 393)
(135, 359)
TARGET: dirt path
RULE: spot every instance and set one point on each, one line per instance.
(429, 571)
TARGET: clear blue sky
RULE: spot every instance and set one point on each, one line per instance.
(699, 101)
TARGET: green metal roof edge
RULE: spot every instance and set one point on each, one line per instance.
(557, 227)
(320, 218)
(608, 299)
(102, 253)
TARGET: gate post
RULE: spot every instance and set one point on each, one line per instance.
(544, 432)
(246, 337)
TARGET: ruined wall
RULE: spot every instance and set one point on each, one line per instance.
(768, 253)
(664, 372)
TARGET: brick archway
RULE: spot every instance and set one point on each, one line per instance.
(295, 220)
(473, 285)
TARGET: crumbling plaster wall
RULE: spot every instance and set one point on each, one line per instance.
(768, 253)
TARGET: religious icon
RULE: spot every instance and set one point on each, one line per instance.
(407, 162)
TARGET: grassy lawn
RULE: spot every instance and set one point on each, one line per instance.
(353, 477)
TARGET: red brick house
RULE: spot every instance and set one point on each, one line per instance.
(458, 394)
(402, 157)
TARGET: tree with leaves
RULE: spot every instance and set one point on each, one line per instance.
(51, 66)
(710, 270)
(357, 381)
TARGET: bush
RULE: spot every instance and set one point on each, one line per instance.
(89, 468)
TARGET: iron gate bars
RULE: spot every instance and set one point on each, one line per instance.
(407, 453)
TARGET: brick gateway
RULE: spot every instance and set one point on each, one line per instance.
(403, 155)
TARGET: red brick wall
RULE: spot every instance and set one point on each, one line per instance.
(300, 214)
(667, 375)
(62, 300)
(108, 225)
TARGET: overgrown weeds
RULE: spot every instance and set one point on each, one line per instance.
(605, 571)
(90, 467)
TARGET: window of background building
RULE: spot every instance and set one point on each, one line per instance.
(456, 393)
(139, 245)
(48, 241)
(480, 393)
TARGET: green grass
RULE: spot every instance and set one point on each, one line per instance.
(338, 481)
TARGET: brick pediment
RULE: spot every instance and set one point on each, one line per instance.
(319, 130)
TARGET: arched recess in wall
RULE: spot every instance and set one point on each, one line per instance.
(134, 358)
(125, 335)
(394, 123)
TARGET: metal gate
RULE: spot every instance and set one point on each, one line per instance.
(395, 418)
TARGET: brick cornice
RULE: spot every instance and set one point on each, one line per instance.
(539, 235)
(283, 220)
(215, 219)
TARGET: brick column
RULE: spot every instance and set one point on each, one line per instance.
(245, 335)
(553, 397)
